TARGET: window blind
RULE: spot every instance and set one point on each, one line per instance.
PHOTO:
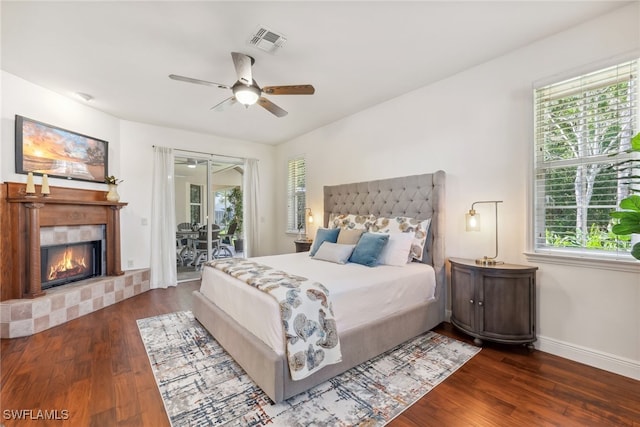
(296, 194)
(582, 128)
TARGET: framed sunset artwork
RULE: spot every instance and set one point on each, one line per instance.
(45, 149)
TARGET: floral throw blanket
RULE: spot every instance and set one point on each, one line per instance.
(307, 314)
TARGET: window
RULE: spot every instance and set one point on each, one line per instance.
(195, 203)
(296, 195)
(223, 209)
(580, 124)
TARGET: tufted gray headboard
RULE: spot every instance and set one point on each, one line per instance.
(416, 196)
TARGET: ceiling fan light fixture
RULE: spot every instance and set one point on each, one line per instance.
(246, 95)
(246, 91)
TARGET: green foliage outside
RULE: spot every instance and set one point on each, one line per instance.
(235, 198)
(596, 238)
(580, 188)
(629, 214)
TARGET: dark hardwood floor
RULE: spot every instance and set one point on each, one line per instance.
(95, 371)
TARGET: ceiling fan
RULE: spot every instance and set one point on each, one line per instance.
(246, 91)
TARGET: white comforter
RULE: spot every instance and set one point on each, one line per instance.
(359, 294)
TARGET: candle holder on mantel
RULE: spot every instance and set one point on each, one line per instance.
(44, 188)
(30, 189)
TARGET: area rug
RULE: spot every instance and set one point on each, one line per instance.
(201, 385)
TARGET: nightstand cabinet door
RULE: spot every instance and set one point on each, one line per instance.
(506, 312)
(495, 303)
(463, 297)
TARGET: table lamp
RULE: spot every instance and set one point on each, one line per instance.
(473, 224)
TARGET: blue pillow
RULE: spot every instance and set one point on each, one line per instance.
(324, 235)
(369, 248)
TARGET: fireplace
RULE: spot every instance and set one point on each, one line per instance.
(66, 217)
(66, 263)
(22, 218)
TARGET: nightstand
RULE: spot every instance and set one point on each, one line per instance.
(494, 302)
(303, 245)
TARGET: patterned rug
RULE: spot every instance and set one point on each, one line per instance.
(201, 385)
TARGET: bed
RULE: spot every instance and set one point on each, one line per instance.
(363, 332)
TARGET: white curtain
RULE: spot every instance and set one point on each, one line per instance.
(163, 221)
(251, 219)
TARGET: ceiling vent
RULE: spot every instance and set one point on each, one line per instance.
(267, 40)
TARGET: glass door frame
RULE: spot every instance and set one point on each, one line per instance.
(208, 215)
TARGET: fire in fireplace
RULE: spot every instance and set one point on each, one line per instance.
(68, 263)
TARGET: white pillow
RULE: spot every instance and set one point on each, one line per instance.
(334, 252)
(396, 251)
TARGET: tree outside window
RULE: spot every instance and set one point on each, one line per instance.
(580, 124)
(223, 209)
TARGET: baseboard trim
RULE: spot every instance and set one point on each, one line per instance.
(608, 362)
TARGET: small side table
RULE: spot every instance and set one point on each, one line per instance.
(494, 303)
(303, 245)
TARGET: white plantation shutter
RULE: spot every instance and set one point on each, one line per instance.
(580, 124)
(296, 194)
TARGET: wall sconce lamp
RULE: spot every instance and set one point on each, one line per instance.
(473, 224)
(309, 216)
(309, 219)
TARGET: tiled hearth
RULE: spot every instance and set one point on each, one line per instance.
(24, 317)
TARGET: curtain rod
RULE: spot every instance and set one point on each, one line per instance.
(212, 155)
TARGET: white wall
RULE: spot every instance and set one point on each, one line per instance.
(26, 99)
(130, 158)
(477, 126)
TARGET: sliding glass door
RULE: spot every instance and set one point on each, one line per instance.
(207, 191)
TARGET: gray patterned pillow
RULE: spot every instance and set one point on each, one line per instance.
(403, 224)
(352, 221)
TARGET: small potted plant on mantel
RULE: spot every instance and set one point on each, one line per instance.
(112, 182)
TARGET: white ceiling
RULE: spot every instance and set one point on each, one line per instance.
(357, 54)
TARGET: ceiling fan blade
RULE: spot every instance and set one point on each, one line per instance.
(243, 65)
(197, 81)
(271, 107)
(289, 90)
(222, 106)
